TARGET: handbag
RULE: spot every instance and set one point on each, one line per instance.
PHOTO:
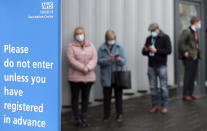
(122, 79)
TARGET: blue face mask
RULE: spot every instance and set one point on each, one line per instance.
(154, 34)
(111, 42)
(79, 38)
(199, 27)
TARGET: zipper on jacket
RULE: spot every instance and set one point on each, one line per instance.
(84, 61)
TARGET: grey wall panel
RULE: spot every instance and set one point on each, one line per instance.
(142, 21)
(70, 20)
(101, 25)
(168, 27)
(130, 19)
(157, 11)
(129, 37)
(117, 17)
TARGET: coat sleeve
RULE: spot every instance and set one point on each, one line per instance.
(74, 63)
(182, 43)
(93, 62)
(102, 61)
(145, 53)
(122, 57)
(168, 48)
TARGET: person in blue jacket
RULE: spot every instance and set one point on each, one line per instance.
(111, 58)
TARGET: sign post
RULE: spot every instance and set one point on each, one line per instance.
(30, 65)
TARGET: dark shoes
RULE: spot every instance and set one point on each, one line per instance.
(106, 119)
(78, 123)
(82, 123)
(190, 98)
(85, 123)
(119, 118)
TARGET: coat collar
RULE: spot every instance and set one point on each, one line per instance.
(75, 43)
(104, 46)
(160, 35)
(191, 29)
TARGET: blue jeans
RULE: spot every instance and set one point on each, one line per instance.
(153, 74)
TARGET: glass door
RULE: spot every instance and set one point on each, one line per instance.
(185, 9)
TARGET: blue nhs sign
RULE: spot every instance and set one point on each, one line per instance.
(30, 65)
(47, 5)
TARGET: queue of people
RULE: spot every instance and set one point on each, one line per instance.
(83, 59)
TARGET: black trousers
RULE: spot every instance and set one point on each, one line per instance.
(76, 90)
(191, 67)
(107, 91)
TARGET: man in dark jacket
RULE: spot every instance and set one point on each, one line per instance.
(189, 53)
(157, 48)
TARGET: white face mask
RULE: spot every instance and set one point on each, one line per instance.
(79, 38)
(111, 42)
(154, 34)
(198, 27)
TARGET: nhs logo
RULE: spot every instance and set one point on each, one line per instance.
(47, 5)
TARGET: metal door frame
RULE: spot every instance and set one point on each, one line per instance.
(202, 64)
